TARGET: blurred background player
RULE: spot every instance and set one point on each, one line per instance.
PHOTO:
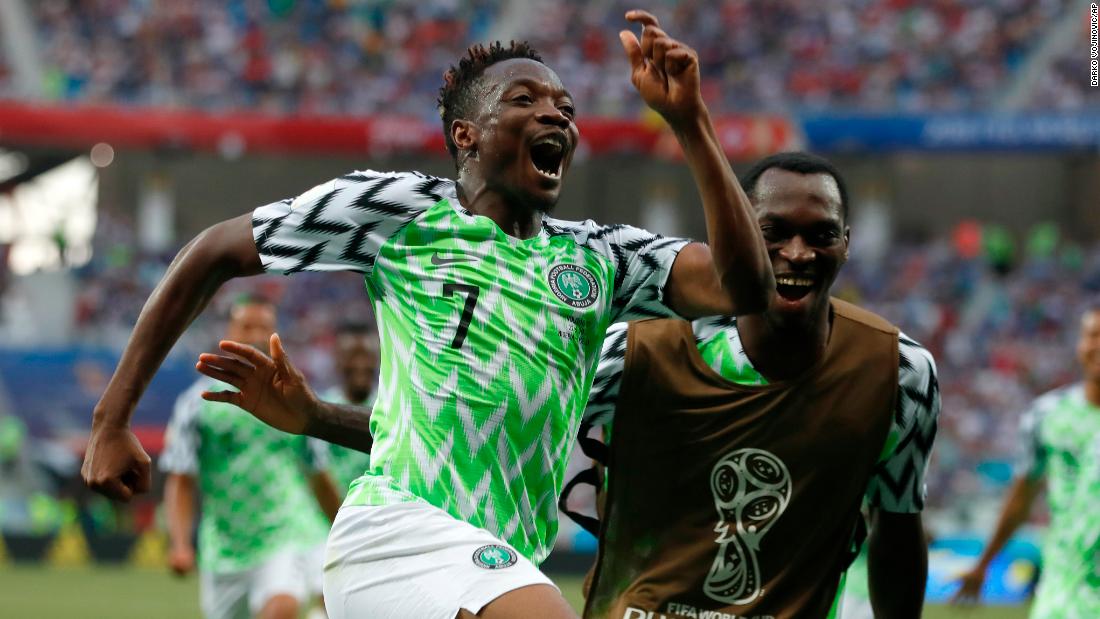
(266, 500)
(1061, 444)
(357, 368)
(792, 417)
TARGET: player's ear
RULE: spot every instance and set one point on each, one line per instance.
(464, 134)
(847, 241)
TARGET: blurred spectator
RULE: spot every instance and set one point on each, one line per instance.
(318, 57)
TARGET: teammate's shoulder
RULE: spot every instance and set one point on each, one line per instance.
(600, 236)
(708, 325)
(862, 316)
(914, 359)
(1054, 398)
(430, 189)
(580, 231)
(191, 397)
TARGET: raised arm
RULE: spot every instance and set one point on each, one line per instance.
(733, 275)
(115, 463)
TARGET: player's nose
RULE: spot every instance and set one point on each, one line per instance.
(796, 251)
(549, 114)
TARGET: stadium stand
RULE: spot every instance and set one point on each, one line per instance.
(318, 57)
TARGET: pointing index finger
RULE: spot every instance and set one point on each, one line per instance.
(645, 18)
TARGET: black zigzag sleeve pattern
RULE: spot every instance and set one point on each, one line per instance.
(604, 396)
(897, 484)
(643, 261)
(341, 225)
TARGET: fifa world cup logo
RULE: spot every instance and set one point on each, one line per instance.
(751, 490)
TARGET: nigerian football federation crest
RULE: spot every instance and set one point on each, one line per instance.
(574, 285)
(494, 557)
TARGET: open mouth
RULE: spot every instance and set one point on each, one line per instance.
(548, 155)
(793, 287)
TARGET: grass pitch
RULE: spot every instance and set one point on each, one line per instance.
(41, 592)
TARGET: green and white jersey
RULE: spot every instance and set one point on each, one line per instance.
(252, 479)
(488, 342)
(346, 464)
(1061, 441)
(897, 484)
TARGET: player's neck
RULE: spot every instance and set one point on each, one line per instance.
(783, 350)
(1092, 392)
(515, 219)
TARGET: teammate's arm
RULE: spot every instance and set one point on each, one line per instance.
(897, 564)
(1030, 470)
(733, 275)
(276, 392)
(324, 489)
(115, 463)
(1017, 508)
(897, 555)
(179, 507)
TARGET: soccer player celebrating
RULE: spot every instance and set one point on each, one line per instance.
(1061, 444)
(490, 315)
(742, 448)
(260, 524)
(357, 366)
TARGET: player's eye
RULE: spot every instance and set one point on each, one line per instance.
(772, 233)
(523, 98)
(568, 110)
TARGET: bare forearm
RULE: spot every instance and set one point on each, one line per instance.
(740, 257)
(328, 497)
(897, 566)
(342, 424)
(179, 504)
(190, 282)
(1015, 512)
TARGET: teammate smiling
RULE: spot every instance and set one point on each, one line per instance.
(491, 315)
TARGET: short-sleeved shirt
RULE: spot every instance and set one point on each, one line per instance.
(346, 464)
(1061, 442)
(488, 342)
(253, 481)
(898, 481)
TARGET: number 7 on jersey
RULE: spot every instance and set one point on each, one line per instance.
(467, 311)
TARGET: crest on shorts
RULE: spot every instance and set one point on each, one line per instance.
(494, 557)
(575, 285)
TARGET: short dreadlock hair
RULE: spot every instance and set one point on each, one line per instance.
(458, 95)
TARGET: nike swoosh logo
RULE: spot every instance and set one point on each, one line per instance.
(439, 261)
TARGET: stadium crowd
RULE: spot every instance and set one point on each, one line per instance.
(321, 57)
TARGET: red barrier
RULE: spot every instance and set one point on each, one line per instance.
(232, 134)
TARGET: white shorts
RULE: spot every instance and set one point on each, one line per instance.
(416, 561)
(233, 595)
